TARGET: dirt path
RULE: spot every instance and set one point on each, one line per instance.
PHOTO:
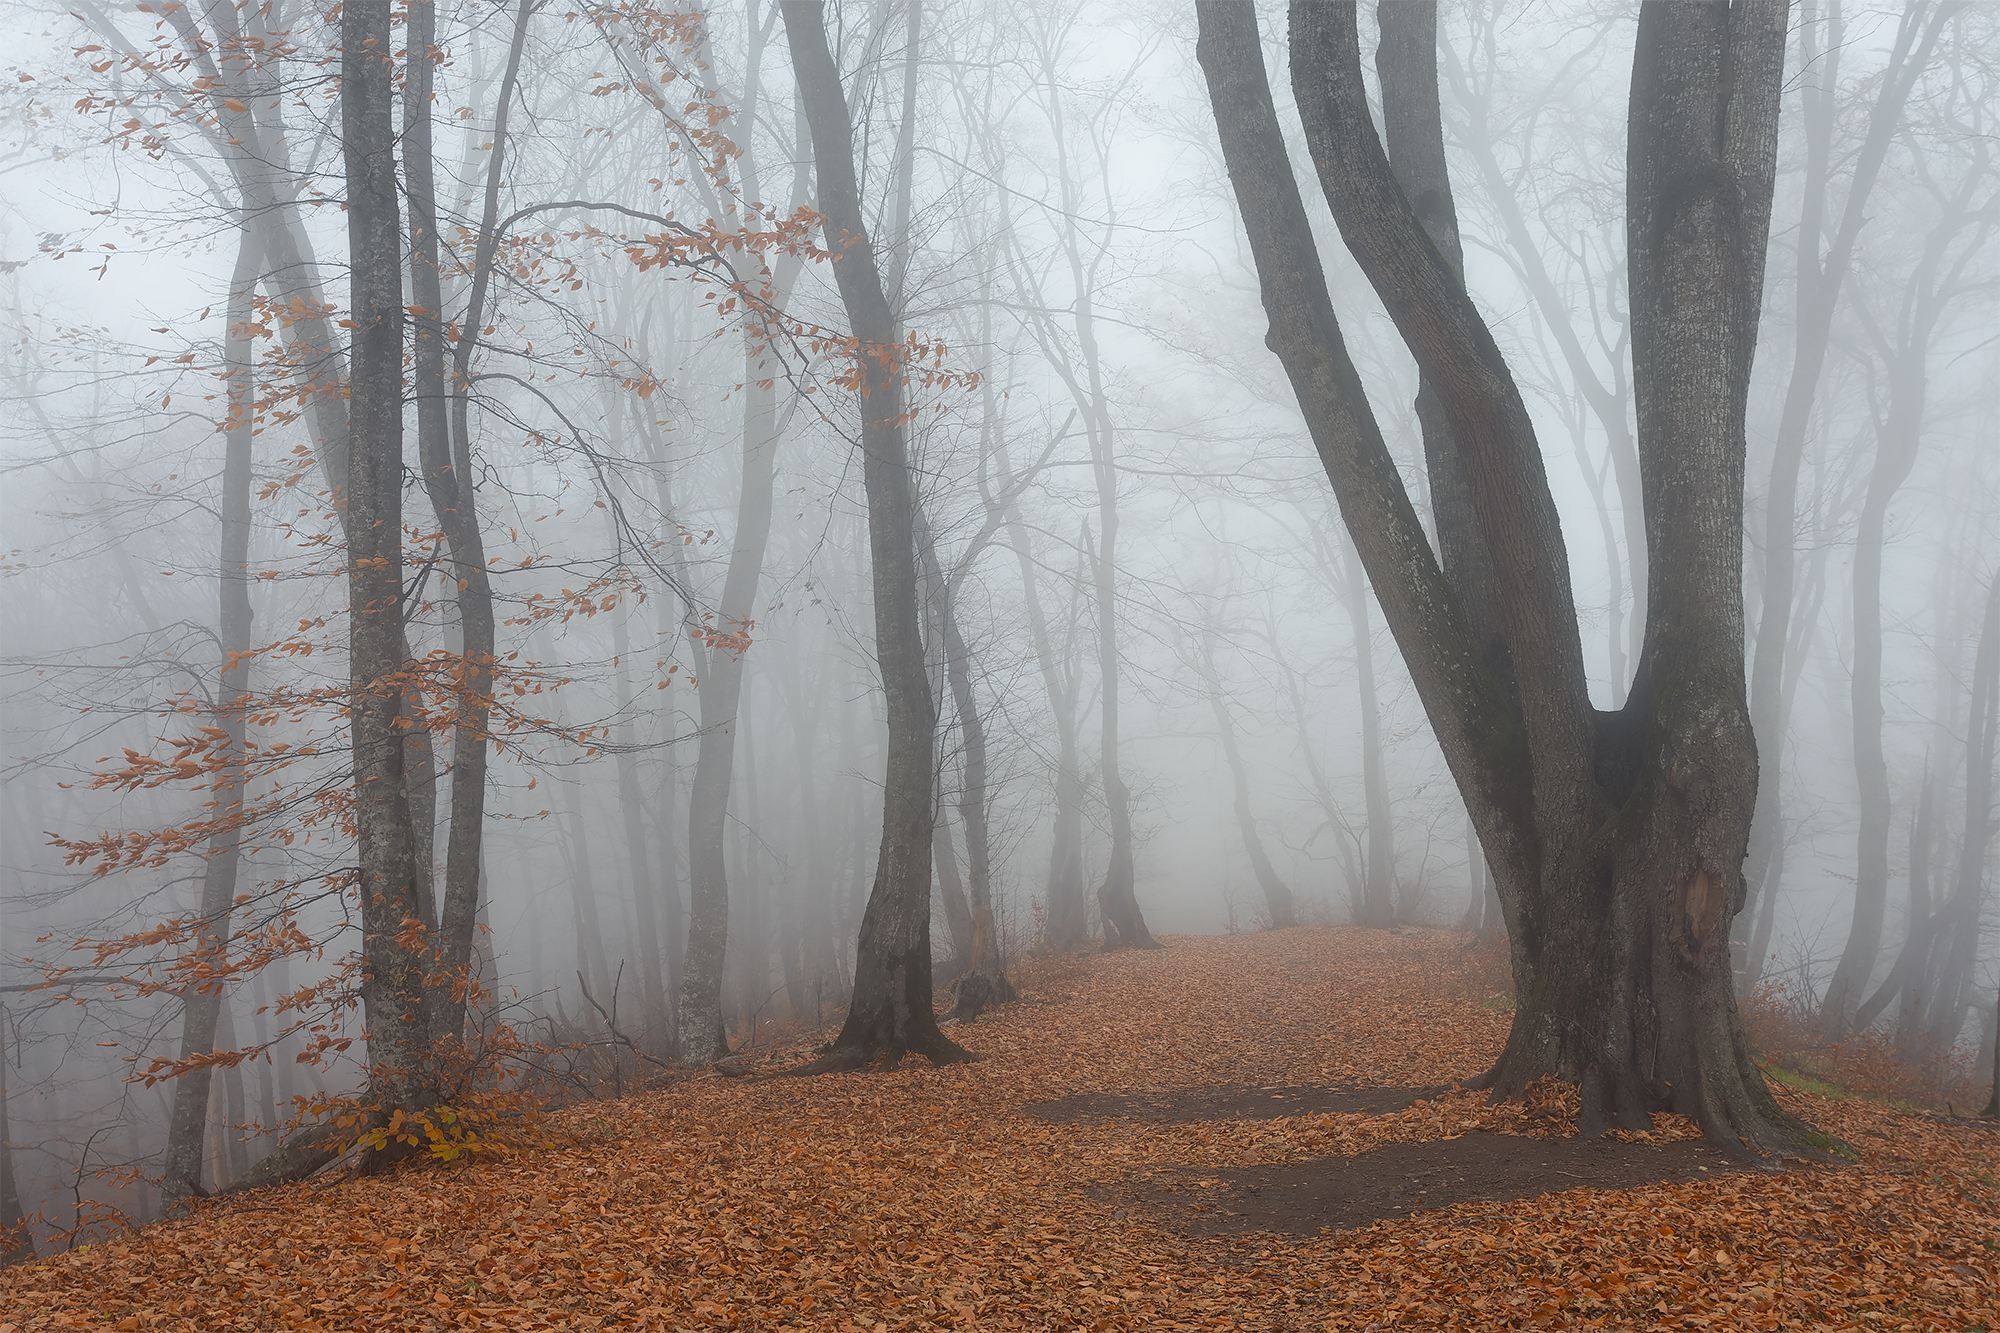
(938, 1199)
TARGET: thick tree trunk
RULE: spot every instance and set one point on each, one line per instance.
(201, 1004)
(890, 1011)
(392, 980)
(1616, 840)
(1277, 894)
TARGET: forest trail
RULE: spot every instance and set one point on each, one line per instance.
(935, 1198)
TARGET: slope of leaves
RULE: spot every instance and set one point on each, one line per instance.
(925, 1199)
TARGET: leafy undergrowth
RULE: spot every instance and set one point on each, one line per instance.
(925, 1199)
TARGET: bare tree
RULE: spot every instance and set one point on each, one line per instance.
(1616, 840)
(890, 1011)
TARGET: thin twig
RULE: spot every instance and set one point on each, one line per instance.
(611, 1025)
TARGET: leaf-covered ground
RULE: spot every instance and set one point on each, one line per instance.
(926, 1198)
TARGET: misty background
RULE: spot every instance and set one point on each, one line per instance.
(1063, 229)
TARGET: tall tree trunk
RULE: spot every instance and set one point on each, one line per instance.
(1917, 928)
(1898, 433)
(392, 978)
(1378, 872)
(450, 480)
(1959, 947)
(584, 904)
(1764, 894)
(236, 1106)
(1616, 840)
(1277, 894)
(1819, 279)
(1068, 926)
(1117, 903)
(890, 1011)
(1893, 460)
(631, 807)
(700, 1016)
(202, 1003)
(806, 712)
(17, 1240)
(936, 596)
(982, 981)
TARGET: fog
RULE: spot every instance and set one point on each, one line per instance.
(1046, 196)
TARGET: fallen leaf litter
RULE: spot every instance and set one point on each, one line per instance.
(931, 1198)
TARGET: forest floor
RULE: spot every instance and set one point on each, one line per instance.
(1245, 1132)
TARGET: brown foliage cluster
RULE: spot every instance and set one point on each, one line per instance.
(1783, 1028)
(925, 1199)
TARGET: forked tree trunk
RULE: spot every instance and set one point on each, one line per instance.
(392, 978)
(1277, 894)
(889, 1013)
(1616, 840)
(444, 436)
(201, 1005)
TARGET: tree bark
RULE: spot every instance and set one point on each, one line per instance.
(392, 980)
(1616, 840)
(890, 1011)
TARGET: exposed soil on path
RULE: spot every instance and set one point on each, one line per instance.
(947, 1200)
(1188, 1105)
(1338, 1193)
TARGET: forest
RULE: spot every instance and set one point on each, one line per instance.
(919, 664)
